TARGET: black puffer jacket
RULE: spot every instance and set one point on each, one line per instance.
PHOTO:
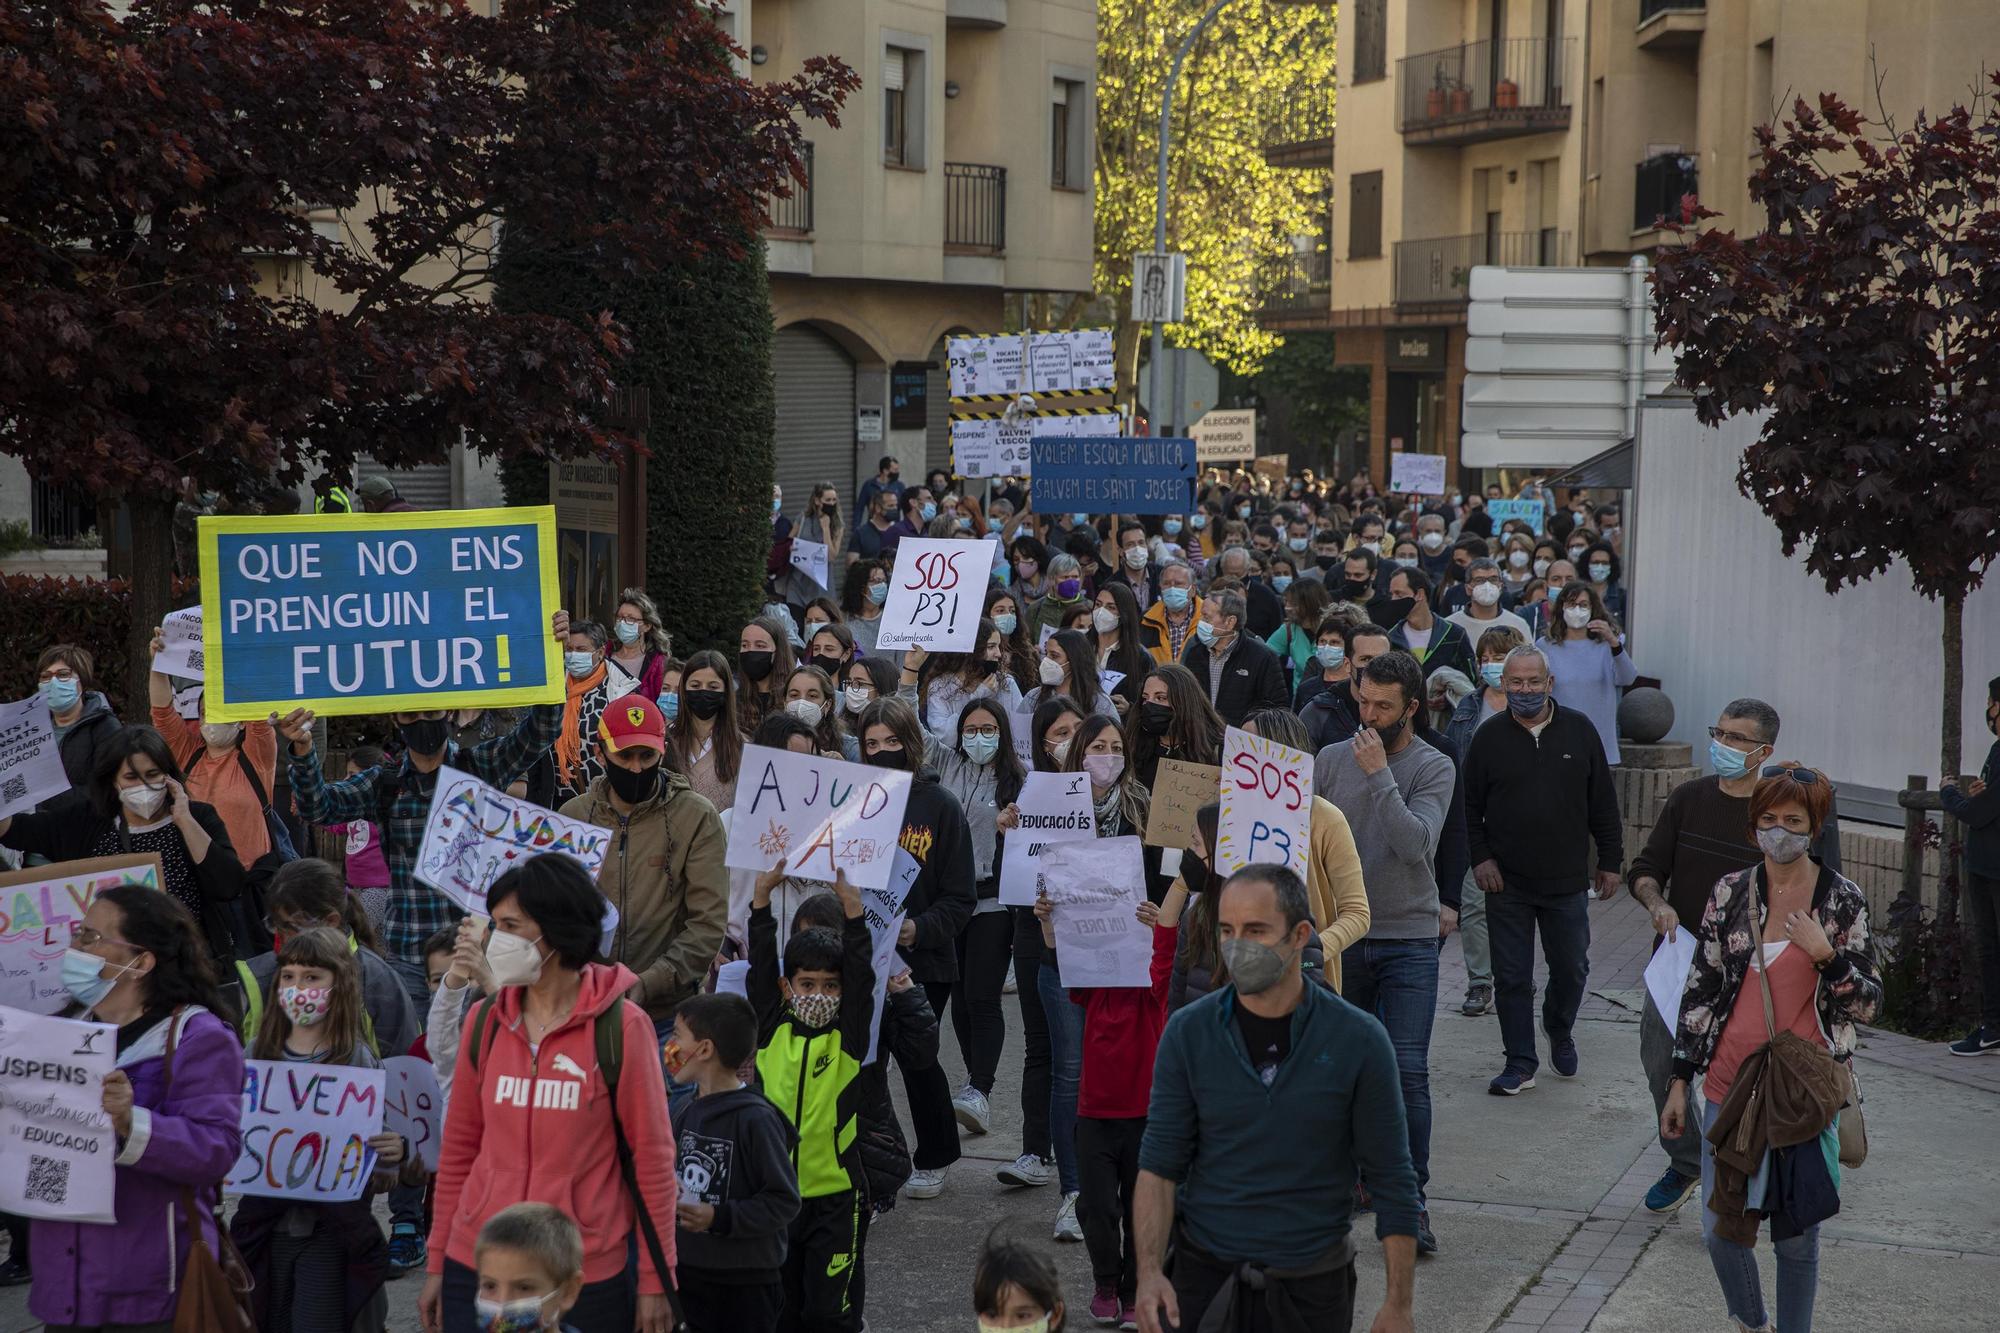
(910, 1034)
(84, 741)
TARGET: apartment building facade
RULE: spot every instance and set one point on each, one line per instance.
(960, 174)
(1537, 132)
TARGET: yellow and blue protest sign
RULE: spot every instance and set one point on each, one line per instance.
(379, 613)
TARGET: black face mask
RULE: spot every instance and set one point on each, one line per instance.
(756, 665)
(899, 759)
(1326, 561)
(989, 666)
(1357, 590)
(1387, 735)
(426, 736)
(830, 665)
(1400, 608)
(1154, 719)
(704, 704)
(630, 787)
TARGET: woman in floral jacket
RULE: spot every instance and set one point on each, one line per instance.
(1812, 926)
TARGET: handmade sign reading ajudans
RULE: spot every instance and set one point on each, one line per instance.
(818, 815)
(476, 833)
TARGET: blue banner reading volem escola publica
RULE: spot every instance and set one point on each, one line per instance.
(1120, 475)
(377, 613)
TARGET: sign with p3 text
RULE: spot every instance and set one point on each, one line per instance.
(378, 613)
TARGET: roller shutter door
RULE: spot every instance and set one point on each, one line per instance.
(815, 416)
(937, 422)
(427, 486)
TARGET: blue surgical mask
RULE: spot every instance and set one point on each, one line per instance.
(1490, 673)
(929, 511)
(1727, 762)
(1280, 582)
(1176, 599)
(580, 665)
(1006, 624)
(1330, 655)
(670, 704)
(627, 631)
(1600, 573)
(1172, 527)
(60, 693)
(1297, 543)
(1204, 631)
(1198, 522)
(1242, 511)
(964, 523)
(980, 748)
(878, 593)
(80, 977)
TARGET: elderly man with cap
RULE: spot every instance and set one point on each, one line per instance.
(378, 496)
(665, 872)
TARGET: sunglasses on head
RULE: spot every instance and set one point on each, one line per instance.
(1803, 776)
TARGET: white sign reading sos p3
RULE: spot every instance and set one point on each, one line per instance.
(935, 595)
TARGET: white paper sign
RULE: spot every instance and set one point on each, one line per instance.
(809, 558)
(1667, 974)
(818, 815)
(1416, 474)
(181, 656)
(733, 978)
(306, 1130)
(1225, 435)
(1266, 804)
(1055, 807)
(31, 768)
(988, 446)
(37, 908)
(1097, 887)
(882, 909)
(56, 1143)
(475, 834)
(935, 592)
(413, 1106)
(1057, 360)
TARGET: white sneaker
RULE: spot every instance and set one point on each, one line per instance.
(924, 1184)
(1067, 1227)
(1027, 1169)
(971, 1108)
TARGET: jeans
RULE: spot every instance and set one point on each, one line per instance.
(1736, 1265)
(1656, 1053)
(1034, 1032)
(1108, 1158)
(1397, 982)
(1066, 1071)
(1472, 937)
(1511, 921)
(976, 1018)
(416, 981)
(1982, 904)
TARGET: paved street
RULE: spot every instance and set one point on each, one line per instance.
(1536, 1199)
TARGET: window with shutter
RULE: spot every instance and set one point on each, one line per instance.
(1364, 215)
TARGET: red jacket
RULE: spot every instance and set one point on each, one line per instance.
(536, 1126)
(1121, 1033)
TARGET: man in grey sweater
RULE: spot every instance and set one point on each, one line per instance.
(1395, 791)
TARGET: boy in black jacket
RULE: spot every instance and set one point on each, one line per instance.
(739, 1189)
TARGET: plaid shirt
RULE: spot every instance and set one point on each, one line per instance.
(417, 912)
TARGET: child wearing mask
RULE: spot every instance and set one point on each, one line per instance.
(739, 1190)
(530, 1261)
(1016, 1289)
(814, 1022)
(318, 1266)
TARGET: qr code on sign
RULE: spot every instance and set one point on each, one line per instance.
(194, 659)
(48, 1180)
(13, 788)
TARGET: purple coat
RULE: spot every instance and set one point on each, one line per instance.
(129, 1271)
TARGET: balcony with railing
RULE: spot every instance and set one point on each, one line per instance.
(1300, 134)
(1659, 186)
(975, 209)
(1438, 271)
(1671, 25)
(793, 216)
(1295, 291)
(1485, 90)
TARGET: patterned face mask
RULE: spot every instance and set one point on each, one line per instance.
(305, 1005)
(815, 1011)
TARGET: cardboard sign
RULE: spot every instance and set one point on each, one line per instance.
(1126, 475)
(935, 592)
(413, 1106)
(1416, 474)
(1266, 804)
(1055, 807)
(1097, 887)
(306, 1130)
(37, 908)
(1179, 790)
(809, 558)
(1532, 512)
(882, 909)
(31, 769)
(1225, 436)
(818, 815)
(181, 653)
(1275, 466)
(57, 1146)
(377, 613)
(476, 833)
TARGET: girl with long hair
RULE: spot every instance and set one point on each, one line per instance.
(643, 646)
(705, 743)
(763, 664)
(1069, 667)
(1174, 720)
(810, 697)
(1018, 656)
(1115, 633)
(939, 685)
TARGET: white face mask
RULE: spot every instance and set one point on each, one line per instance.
(1431, 541)
(1576, 617)
(1136, 557)
(1105, 619)
(806, 711)
(1486, 594)
(220, 735)
(143, 802)
(1059, 750)
(1541, 569)
(858, 697)
(1517, 559)
(514, 961)
(1052, 674)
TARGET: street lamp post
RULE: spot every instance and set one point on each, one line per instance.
(1160, 201)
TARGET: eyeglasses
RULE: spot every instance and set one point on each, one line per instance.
(1803, 776)
(1718, 734)
(83, 937)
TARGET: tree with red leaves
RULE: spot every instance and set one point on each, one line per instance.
(1865, 320)
(244, 241)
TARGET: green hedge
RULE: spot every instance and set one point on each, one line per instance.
(95, 613)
